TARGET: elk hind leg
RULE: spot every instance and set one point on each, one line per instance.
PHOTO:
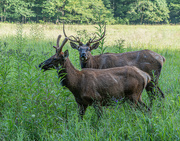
(143, 104)
(134, 100)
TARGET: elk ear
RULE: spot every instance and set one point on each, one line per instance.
(66, 54)
(73, 45)
(94, 46)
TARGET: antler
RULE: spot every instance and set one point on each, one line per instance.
(58, 39)
(92, 40)
(63, 43)
(75, 39)
(59, 49)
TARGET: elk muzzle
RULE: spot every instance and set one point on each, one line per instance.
(83, 56)
(49, 64)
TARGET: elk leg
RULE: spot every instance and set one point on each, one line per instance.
(132, 100)
(158, 89)
(136, 100)
(82, 110)
(155, 81)
(150, 89)
(143, 104)
(98, 109)
(162, 94)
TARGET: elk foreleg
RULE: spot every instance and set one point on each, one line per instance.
(98, 109)
(150, 89)
(82, 110)
(153, 89)
(162, 94)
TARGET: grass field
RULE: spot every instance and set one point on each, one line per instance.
(33, 105)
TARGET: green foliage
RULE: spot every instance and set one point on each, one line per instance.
(120, 8)
(16, 9)
(33, 105)
(88, 11)
(175, 12)
(119, 46)
(99, 32)
(77, 11)
(162, 10)
(149, 12)
(83, 35)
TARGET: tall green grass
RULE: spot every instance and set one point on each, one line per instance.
(33, 105)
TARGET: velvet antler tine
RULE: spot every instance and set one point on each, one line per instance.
(63, 43)
(92, 41)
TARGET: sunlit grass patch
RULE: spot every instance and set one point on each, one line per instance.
(159, 36)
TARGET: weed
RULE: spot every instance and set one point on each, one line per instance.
(34, 106)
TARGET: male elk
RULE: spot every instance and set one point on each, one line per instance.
(97, 86)
(146, 60)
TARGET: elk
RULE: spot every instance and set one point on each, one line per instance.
(98, 87)
(146, 60)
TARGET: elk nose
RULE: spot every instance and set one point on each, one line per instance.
(40, 65)
(83, 54)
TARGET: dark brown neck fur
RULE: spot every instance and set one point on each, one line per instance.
(69, 76)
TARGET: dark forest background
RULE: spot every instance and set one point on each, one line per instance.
(91, 11)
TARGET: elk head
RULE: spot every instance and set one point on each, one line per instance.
(84, 49)
(57, 59)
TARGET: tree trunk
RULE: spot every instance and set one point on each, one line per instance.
(44, 19)
(4, 14)
(141, 18)
(1, 18)
(22, 19)
(37, 19)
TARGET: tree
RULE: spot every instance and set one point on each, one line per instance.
(174, 7)
(20, 9)
(16, 10)
(174, 13)
(53, 9)
(149, 12)
(78, 11)
(4, 6)
(88, 11)
(37, 6)
(120, 9)
(162, 10)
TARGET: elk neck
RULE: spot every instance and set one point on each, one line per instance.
(70, 76)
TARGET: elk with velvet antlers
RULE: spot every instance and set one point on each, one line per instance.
(146, 60)
(98, 87)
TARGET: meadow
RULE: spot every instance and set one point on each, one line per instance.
(34, 106)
